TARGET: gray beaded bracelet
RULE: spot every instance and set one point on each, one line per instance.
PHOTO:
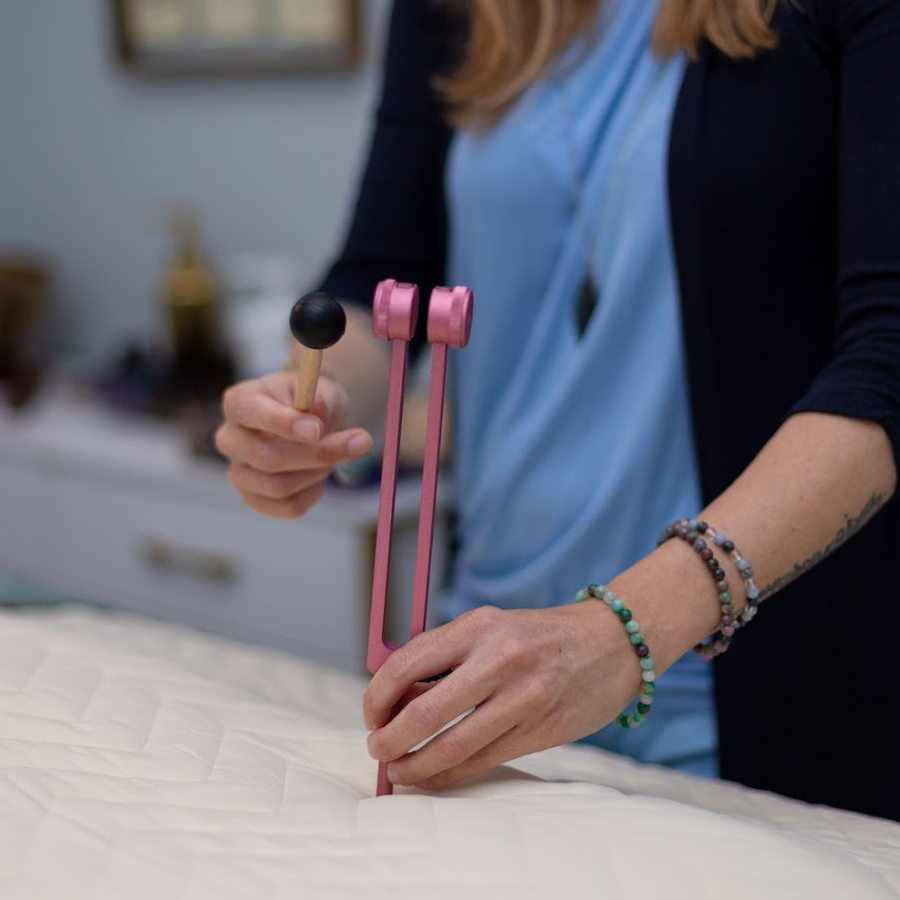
(699, 535)
(648, 675)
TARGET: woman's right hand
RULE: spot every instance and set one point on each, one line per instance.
(279, 457)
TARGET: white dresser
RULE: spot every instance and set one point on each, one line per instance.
(112, 508)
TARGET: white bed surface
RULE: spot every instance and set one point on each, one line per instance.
(140, 759)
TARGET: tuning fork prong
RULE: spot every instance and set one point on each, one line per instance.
(394, 314)
(449, 325)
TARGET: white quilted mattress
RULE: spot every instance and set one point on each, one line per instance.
(144, 760)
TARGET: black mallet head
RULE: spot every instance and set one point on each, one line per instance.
(318, 321)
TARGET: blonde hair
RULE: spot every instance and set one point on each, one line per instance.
(512, 42)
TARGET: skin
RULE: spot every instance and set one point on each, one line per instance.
(280, 458)
(526, 680)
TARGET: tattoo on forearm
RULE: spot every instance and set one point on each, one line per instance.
(851, 525)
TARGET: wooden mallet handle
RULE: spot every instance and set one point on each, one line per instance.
(317, 322)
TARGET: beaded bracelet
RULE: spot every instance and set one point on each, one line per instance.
(751, 591)
(648, 675)
(696, 534)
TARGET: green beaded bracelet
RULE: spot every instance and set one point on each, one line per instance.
(648, 675)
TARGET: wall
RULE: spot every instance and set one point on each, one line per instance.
(90, 154)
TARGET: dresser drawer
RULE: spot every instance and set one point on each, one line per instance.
(301, 585)
(109, 507)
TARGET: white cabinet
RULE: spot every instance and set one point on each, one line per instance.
(112, 508)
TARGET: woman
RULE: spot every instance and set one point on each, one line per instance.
(784, 199)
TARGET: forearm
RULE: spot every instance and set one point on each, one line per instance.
(815, 484)
(535, 678)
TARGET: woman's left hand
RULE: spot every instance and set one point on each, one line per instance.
(529, 680)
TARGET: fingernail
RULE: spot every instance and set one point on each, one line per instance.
(307, 430)
(392, 775)
(359, 445)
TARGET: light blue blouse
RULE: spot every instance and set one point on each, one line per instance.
(572, 453)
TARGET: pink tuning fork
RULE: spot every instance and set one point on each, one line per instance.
(449, 324)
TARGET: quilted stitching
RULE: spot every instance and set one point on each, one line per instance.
(145, 760)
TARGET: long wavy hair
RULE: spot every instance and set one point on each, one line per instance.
(510, 43)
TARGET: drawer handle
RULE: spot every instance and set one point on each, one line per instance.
(159, 553)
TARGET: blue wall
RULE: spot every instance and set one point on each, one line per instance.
(89, 155)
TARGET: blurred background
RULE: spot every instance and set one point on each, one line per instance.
(94, 153)
(173, 173)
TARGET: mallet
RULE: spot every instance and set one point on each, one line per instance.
(317, 322)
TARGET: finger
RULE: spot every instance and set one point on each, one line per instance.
(279, 486)
(424, 716)
(435, 651)
(509, 745)
(430, 652)
(259, 406)
(461, 748)
(288, 508)
(273, 455)
(416, 690)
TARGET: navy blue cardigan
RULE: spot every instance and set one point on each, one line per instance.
(784, 176)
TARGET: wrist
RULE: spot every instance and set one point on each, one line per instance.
(645, 686)
(674, 599)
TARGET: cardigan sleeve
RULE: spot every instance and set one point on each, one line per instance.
(398, 226)
(863, 378)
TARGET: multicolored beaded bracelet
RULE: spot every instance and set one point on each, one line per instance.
(751, 591)
(648, 675)
(697, 534)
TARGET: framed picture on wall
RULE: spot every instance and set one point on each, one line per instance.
(235, 37)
